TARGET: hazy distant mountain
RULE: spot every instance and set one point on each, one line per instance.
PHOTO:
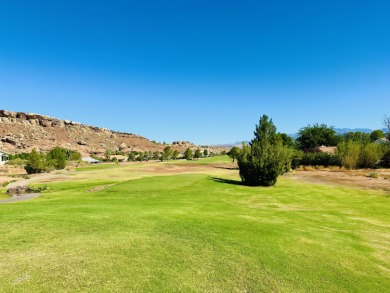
(346, 130)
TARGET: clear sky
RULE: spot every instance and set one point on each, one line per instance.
(196, 70)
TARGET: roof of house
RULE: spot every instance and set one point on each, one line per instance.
(119, 157)
(90, 160)
(3, 152)
(329, 150)
(382, 140)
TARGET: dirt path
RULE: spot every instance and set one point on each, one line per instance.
(24, 183)
(21, 197)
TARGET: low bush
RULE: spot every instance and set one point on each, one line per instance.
(373, 175)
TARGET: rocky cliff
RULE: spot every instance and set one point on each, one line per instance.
(21, 132)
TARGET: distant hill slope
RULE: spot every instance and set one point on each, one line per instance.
(21, 132)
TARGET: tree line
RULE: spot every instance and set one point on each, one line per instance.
(270, 154)
(39, 162)
(167, 154)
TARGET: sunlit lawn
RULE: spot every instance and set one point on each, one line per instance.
(194, 233)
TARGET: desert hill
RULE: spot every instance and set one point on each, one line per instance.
(21, 132)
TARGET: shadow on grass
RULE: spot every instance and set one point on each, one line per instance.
(227, 168)
(226, 181)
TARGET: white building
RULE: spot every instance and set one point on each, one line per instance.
(90, 160)
(4, 157)
(382, 140)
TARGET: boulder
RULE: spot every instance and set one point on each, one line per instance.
(19, 190)
(45, 123)
(31, 116)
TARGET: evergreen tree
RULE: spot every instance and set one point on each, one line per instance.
(265, 158)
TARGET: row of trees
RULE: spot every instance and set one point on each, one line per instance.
(167, 154)
(270, 154)
(38, 162)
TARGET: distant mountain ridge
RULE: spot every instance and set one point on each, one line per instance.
(22, 132)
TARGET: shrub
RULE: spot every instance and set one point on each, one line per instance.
(57, 158)
(349, 153)
(370, 155)
(17, 162)
(72, 155)
(373, 175)
(36, 163)
(319, 159)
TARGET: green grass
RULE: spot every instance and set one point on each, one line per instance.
(195, 233)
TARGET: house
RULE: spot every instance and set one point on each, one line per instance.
(90, 160)
(382, 140)
(329, 150)
(4, 157)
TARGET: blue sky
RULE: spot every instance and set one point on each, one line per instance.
(203, 71)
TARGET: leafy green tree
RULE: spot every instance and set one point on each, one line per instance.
(312, 137)
(287, 140)
(36, 162)
(57, 158)
(376, 134)
(188, 155)
(234, 153)
(205, 153)
(175, 154)
(107, 155)
(198, 154)
(357, 136)
(167, 153)
(265, 158)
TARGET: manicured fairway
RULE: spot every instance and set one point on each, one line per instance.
(195, 232)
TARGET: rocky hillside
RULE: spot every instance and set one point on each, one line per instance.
(21, 132)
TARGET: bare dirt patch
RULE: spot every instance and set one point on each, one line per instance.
(98, 188)
(349, 178)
